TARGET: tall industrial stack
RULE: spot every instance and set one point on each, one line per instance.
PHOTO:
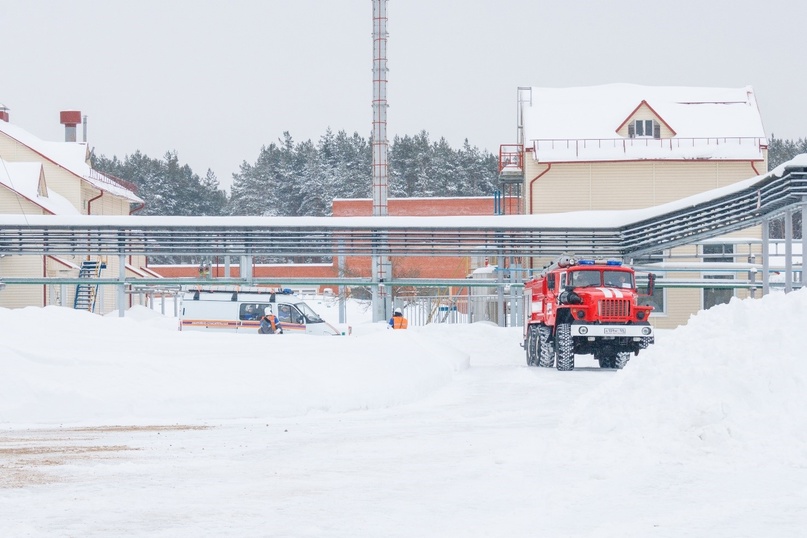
(382, 266)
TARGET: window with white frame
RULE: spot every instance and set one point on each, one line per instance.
(644, 129)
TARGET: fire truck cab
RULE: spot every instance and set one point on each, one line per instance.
(585, 307)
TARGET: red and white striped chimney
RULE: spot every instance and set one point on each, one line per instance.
(70, 118)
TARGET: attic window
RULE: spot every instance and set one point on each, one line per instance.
(644, 129)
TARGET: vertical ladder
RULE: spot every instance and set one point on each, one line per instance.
(86, 292)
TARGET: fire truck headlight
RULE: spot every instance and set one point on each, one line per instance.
(646, 330)
(581, 314)
(583, 330)
(640, 314)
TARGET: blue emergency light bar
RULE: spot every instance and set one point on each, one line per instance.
(616, 263)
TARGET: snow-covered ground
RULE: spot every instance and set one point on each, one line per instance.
(126, 427)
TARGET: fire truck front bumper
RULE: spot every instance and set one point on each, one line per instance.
(615, 331)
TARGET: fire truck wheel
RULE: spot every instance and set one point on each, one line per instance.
(530, 345)
(564, 347)
(646, 341)
(546, 353)
(621, 360)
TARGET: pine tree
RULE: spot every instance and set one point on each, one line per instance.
(780, 151)
(166, 186)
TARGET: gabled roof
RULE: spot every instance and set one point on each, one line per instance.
(71, 156)
(593, 112)
(645, 104)
(597, 112)
(24, 179)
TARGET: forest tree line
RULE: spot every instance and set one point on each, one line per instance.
(302, 178)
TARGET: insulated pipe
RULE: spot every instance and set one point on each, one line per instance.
(121, 285)
(788, 251)
(766, 253)
(803, 238)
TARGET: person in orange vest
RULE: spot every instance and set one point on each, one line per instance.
(269, 323)
(398, 321)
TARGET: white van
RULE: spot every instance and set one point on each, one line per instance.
(234, 310)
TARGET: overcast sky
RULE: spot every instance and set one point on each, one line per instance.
(217, 80)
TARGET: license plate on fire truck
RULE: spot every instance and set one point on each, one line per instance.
(613, 331)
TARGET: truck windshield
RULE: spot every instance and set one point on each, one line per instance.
(310, 315)
(581, 279)
(619, 279)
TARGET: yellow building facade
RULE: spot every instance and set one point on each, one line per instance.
(622, 146)
(40, 177)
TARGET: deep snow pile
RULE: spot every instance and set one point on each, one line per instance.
(731, 381)
(64, 366)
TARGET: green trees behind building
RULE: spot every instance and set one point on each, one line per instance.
(302, 178)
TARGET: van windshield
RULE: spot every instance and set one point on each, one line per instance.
(310, 315)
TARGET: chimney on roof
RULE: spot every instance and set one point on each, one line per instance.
(3, 112)
(70, 118)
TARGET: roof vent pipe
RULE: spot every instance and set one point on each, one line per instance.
(70, 118)
(84, 125)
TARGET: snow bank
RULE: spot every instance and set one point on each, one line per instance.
(65, 366)
(731, 381)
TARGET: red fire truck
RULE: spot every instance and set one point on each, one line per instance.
(585, 307)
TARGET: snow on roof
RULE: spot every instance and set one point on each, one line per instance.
(71, 156)
(23, 178)
(596, 112)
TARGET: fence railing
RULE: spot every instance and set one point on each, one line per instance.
(722, 147)
(457, 309)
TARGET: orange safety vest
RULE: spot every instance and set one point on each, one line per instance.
(271, 319)
(399, 322)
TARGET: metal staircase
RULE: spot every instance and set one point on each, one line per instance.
(87, 292)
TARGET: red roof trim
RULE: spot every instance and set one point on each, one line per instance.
(88, 182)
(18, 193)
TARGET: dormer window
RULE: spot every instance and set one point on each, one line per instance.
(644, 129)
